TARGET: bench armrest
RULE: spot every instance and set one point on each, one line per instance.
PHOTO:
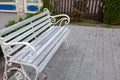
(60, 20)
(21, 43)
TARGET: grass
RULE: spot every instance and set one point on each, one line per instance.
(85, 22)
(107, 26)
(93, 23)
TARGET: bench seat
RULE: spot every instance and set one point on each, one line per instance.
(50, 43)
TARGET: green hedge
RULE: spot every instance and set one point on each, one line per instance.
(76, 15)
(46, 4)
(112, 12)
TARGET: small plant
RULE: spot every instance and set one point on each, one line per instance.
(20, 19)
(112, 11)
(29, 15)
(92, 21)
(107, 26)
(10, 23)
(46, 4)
(76, 15)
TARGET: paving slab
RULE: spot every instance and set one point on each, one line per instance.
(5, 17)
(93, 55)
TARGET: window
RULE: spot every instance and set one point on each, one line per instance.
(7, 0)
(32, 1)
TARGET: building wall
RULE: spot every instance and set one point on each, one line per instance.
(21, 6)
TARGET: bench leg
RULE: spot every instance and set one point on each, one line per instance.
(36, 72)
(66, 44)
(43, 76)
(20, 73)
(5, 77)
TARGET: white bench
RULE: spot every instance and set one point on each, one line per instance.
(32, 42)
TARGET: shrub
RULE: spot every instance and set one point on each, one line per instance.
(20, 19)
(76, 15)
(112, 12)
(92, 21)
(29, 15)
(10, 23)
(46, 4)
(107, 26)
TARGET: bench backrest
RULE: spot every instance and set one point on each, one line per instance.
(28, 29)
(21, 30)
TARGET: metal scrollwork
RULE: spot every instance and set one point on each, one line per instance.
(19, 76)
(1, 40)
(60, 20)
(9, 63)
(8, 49)
(53, 20)
(46, 10)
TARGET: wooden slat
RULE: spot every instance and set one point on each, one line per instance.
(40, 38)
(68, 2)
(95, 13)
(48, 48)
(31, 37)
(18, 32)
(41, 42)
(92, 8)
(39, 45)
(70, 6)
(48, 58)
(89, 7)
(58, 6)
(45, 45)
(82, 5)
(64, 6)
(11, 28)
(99, 11)
(79, 3)
(22, 36)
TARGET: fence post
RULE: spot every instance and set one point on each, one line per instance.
(20, 7)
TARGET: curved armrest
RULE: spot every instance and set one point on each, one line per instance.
(21, 43)
(61, 18)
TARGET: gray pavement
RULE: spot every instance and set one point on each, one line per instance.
(5, 17)
(93, 54)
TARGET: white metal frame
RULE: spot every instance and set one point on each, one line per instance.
(6, 47)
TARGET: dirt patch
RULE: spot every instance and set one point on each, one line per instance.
(2, 62)
(92, 23)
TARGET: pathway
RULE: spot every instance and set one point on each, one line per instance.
(5, 17)
(94, 54)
